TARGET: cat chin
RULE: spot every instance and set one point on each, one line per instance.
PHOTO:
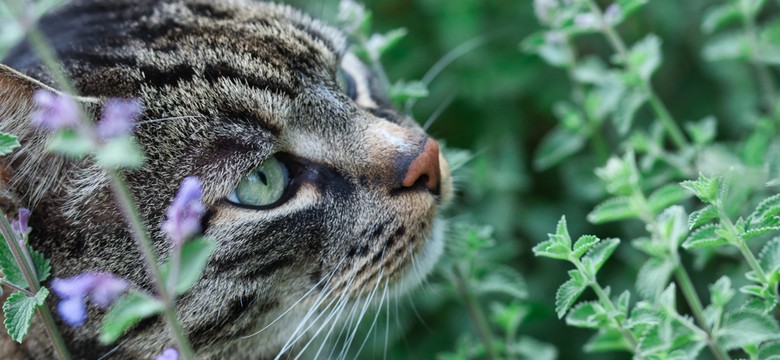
(423, 262)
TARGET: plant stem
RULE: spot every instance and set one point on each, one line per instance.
(16, 287)
(765, 80)
(28, 271)
(475, 312)
(141, 237)
(609, 305)
(740, 244)
(689, 292)
(677, 136)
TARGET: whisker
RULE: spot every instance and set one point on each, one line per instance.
(367, 302)
(152, 121)
(373, 323)
(445, 61)
(439, 110)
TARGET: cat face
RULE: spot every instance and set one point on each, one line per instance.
(317, 190)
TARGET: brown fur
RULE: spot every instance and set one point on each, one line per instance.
(237, 82)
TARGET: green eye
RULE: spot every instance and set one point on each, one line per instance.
(264, 186)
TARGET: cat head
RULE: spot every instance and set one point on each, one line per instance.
(316, 189)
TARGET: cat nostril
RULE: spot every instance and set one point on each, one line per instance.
(424, 171)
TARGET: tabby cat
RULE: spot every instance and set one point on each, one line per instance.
(317, 190)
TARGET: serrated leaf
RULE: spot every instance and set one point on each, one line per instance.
(583, 244)
(703, 131)
(768, 208)
(195, 255)
(705, 236)
(769, 351)
(754, 290)
(401, 91)
(622, 303)
(586, 315)
(672, 226)
(567, 294)
(126, 312)
(19, 310)
(719, 16)
(613, 209)
(666, 196)
(121, 152)
(556, 146)
(746, 327)
(607, 339)
(598, 254)
(704, 188)
(42, 265)
(8, 267)
(702, 216)
(653, 277)
(747, 235)
(503, 280)
(69, 143)
(552, 250)
(769, 257)
(8, 143)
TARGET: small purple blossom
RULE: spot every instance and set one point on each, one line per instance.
(101, 288)
(168, 354)
(613, 13)
(184, 213)
(54, 112)
(19, 225)
(118, 117)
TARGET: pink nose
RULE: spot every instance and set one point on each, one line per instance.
(424, 170)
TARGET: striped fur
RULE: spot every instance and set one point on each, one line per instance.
(225, 84)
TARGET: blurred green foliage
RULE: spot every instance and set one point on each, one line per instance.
(500, 103)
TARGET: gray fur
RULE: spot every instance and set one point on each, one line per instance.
(237, 81)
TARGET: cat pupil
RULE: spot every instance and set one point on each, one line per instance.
(262, 177)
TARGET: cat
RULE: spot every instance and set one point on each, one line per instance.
(316, 189)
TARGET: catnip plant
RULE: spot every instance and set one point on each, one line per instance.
(651, 176)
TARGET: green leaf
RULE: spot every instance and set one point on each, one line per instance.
(42, 265)
(653, 277)
(746, 327)
(8, 266)
(121, 152)
(502, 280)
(587, 315)
(704, 188)
(583, 244)
(555, 53)
(401, 91)
(607, 339)
(719, 16)
(727, 46)
(672, 225)
(703, 131)
(126, 312)
(556, 146)
(754, 290)
(666, 196)
(8, 143)
(769, 257)
(769, 351)
(747, 235)
(598, 254)
(628, 105)
(628, 7)
(645, 56)
(69, 143)
(705, 236)
(378, 44)
(508, 316)
(613, 209)
(19, 310)
(767, 209)
(552, 250)
(702, 216)
(568, 293)
(195, 255)
(721, 292)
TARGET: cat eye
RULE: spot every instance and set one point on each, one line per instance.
(263, 187)
(346, 83)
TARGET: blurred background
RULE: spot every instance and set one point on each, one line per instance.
(495, 101)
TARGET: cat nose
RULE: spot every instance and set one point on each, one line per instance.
(424, 171)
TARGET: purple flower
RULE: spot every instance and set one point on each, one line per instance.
(168, 354)
(613, 13)
(118, 117)
(53, 111)
(101, 288)
(19, 225)
(184, 213)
